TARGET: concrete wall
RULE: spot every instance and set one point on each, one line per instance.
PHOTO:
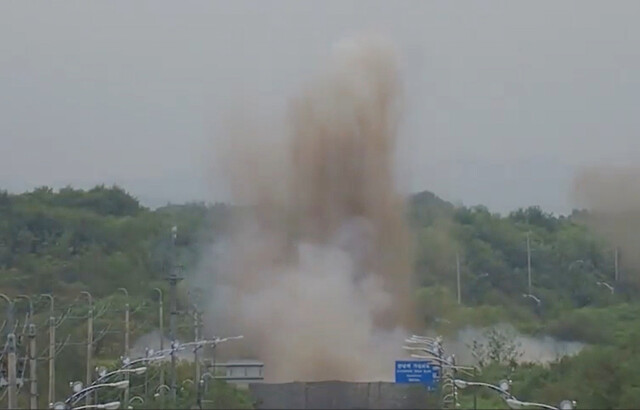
(342, 395)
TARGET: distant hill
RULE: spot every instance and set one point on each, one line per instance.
(426, 207)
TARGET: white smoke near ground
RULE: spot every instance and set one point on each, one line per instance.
(531, 349)
(315, 272)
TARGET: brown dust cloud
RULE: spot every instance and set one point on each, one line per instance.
(315, 273)
(611, 195)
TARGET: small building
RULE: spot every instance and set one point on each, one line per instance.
(239, 372)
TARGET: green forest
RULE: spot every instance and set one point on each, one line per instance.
(66, 241)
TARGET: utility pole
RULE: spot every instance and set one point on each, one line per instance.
(615, 264)
(52, 358)
(11, 363)
(32, 355)
(11, 354)
(89, 345)
(458, 277)
(528, 264)
(52, 351)
(196, 331)
(161, 320)
(33, 374)
(89, 352)
(173, 280)
(126, 342)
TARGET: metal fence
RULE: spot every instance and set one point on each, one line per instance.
(341, 395)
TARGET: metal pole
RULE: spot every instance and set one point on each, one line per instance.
(12, 373)
(197, 336)
(89, 352)
(213, 384)
(173, 281)
(33, 375)
(126, 342)
(146, 380)
(89, 345)
(11, 359)
(615, 263)
(528, 264)
(458, 277)
(52, 359)
(172, 330)
(196, 330)
(455, 388)
(126, 323)
(475, 397)
(161, 320)
(52, 351)
(199, 394)
(32, 354)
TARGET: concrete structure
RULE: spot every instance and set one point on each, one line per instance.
(342, 395)
(240, 372)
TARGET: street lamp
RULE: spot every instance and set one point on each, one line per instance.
(447, 363)
(606, 285)
(530, 296)
(567, 405)
(186, 382)
(517, 404)
(177, 346)
(136, 398)
(421, 349)
(503, 387)
(79, 392)
(160, 389)
(103, 375)
(512, 401)
(114, 405)
(432, 343)
(425, 338)
(126, 362)
(102, 372)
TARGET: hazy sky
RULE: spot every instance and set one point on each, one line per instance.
(505, 100)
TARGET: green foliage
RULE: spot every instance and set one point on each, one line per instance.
(102, 239)
(567, 260)
(500, 347)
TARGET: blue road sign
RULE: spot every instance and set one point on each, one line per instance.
(417, 371)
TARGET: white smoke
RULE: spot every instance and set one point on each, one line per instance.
(532, 349)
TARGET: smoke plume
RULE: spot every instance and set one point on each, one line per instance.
(315, 273)
(612, 197)
(541, 350)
